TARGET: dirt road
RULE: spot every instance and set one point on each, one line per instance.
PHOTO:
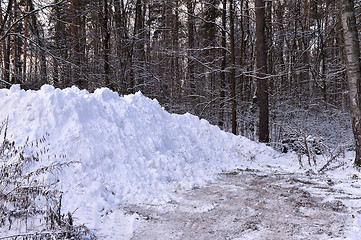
(247, 204)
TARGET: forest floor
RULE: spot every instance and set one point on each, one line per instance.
(251, 204)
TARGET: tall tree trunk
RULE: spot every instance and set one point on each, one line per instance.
(6, 52)
(223, 64)
(15, 47)
(176, 47)
(27, 7)
(138, 47)
(122, 48)
(167, 71)
(106, 44)
(5, 42)
(261, 64)
(39, 33)
(352, 53)
(233, 69)
(242, 53)
(75, 42)
(190, 62)
(306, 42)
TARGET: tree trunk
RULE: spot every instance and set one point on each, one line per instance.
(353, 71)
(138, 46)
(5, 42)
(261, 63)
(223, 64)
(25, 42)
(6, 51)
(75, 42)
(122, 46)
(190, 62)
(176, 48)
(15, 47)
(39, 33)
(233, 70)
(106, 45)
(242, 54)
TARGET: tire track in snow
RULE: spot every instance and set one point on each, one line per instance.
(247, 205)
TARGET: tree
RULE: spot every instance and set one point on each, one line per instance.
(352, 54)
(15, 46)
(191, 88)
(61, 44)
(223, 64)
(78, 32)
(262, 88)
(122, 51)
(106, 44)
(184, 53)
(27, 8)
(138, 46)
(233, 70)
(5, 42)
(38, 32)
(75, 41)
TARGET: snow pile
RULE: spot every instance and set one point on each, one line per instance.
(131, 150)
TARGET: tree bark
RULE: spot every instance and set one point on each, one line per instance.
(25, 42)
(15, 47)
(190, 62)
(139, 45)
(39, 33)
(223, 64)
(261, 64)
(353, 71)
(106, 45)
(122, 46)
(233, 70)
(75, 42)
(5, 42)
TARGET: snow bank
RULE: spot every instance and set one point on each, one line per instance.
(131, 150)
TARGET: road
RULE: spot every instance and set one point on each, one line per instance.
(248, 204)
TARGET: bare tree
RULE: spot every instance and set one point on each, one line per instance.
(78, 32)
(106, 44)
(352, 53)
(5, 42)
(262, 91)
(233, 70)
(194, 56)
(223, 64)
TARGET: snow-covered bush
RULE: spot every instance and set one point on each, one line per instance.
(303, 144)
(314, 148)
(30, 205)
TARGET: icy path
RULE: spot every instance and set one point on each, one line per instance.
(248, 205)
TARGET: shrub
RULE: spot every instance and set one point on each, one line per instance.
(27, 198)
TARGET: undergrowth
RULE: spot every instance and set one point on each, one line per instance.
(30, 204)
(318, 153)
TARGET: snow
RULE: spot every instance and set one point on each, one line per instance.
(130, 151)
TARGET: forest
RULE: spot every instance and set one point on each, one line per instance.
(255, 132)
(205, 57)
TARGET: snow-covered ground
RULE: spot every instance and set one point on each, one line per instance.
(131, 152)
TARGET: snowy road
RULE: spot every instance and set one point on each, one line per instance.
(248, 205)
